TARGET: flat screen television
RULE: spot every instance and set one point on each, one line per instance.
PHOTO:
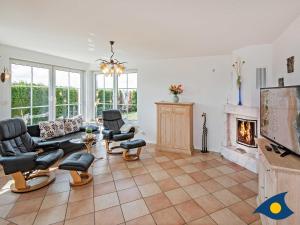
(280, 116)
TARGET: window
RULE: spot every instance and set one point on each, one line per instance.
(104, 93)
(67, 92)
(43, 92)
(127, 95)
(124, 87)
(30, 92)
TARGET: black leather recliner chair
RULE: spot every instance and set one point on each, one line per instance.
(26, 161)
(112, 123)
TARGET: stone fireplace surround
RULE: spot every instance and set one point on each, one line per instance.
(240, 154)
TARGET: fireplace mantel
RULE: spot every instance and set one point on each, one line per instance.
(242, 110)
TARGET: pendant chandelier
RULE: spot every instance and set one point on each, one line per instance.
(111, 66)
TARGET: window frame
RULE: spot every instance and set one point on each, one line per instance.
(81, 97)
(115, 91)
(51, 88)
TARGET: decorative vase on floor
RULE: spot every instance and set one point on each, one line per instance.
(240, 96)
(175, 98)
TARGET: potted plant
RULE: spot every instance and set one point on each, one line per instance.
(89, 132)
(176, 89)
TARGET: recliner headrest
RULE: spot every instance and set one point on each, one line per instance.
(12, 128)
(111, 115)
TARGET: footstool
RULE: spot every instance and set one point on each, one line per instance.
(128, 145)
(78, 165)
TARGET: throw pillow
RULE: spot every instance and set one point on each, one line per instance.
(47, 130)
(60, 127)
(71, 126)
(79, 120)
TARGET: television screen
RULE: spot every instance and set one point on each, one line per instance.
(280, 116)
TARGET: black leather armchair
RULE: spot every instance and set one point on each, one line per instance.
(24, 159)
(112, 123)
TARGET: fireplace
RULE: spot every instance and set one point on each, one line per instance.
(246, 132)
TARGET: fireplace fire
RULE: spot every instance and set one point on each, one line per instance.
(246, 132)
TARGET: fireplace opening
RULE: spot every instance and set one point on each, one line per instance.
(246, 132)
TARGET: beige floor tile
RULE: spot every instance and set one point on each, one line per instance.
(189, 168)
(134, 164)
(138, 171)
(168, 184)
(225, 169)
(252, 201)
(168, 165)
(157, 202)
(34, 194)
(144, 220)
(211, 185)
(25, 219)
(153, 167)
(55, 200)
(239, 177)
(105, 188)
(124, 184)
(252, 185)
(149, 189)
(176, 171)
(195, 190)
(241, 191)
(8, 197)
(209, 203)
(226, 181)
(134, 209)
(168, 216)
(199, 176)
(51, 215)
(244, 211)
(159, 175)
(82, 220)
(190, 210)
(101, 170)
(206, 220)
(80, 208)
(129, 195)
(213, 172)
(177, 196)
(184, 180)
(102, 178)
(215, 163)
(106, 201)
(4, 209)
(143, 179)
(181, 162)
(162, 159)
(58, 187)
(226, 197)
(25, 207)
(121, 174)
(111, 216)
(202, 165)
(225, 217)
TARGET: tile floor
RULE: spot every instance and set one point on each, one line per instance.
(162, 188)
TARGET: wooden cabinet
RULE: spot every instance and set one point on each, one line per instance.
(276, 175)
(175, 127)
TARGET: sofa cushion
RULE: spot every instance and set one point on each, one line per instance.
(51, 129)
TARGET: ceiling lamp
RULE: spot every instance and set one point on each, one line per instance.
(111, 66)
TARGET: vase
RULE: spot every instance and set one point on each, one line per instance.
(240, 96)
(175, 98)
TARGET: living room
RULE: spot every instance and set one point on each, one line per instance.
(148, 112)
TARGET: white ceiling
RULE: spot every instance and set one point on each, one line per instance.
(142, 29)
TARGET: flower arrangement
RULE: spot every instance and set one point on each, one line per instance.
(237, 66)
(176, 89)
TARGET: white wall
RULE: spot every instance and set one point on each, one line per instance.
(206, 88)
(8, 52)
(286, 45)
(257, 56)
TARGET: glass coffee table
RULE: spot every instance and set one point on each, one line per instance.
(88, 140)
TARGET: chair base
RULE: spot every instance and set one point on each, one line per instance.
(34, 182)
(79, 179)
(110, 150)
(131, 157)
